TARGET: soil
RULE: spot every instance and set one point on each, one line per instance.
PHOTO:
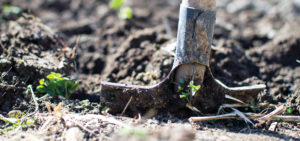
(255, 42)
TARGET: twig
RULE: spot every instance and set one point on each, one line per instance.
(242, 115)
(234, 99)
(128, 103)
(48, 121)
(79, 125)
(5, 73)
(75, 47)
(193, 108)
(277, 111)
(251, 115)
(230, 106)
(98, 117)
(34, 100)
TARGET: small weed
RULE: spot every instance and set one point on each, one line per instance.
(115, 4)
(124, 12)
(289, 111)
(18, 124)
(8, 9)
(180, 88)
(194, 87)
(186, 93)
(56, 84)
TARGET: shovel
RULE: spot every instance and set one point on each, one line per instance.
(191, 64)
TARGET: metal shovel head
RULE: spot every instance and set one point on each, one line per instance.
(195, 32)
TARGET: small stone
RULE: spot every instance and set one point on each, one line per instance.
(74, 134)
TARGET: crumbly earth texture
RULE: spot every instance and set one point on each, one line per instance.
(254, 42)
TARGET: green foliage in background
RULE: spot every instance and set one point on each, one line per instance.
(124, 12)
(8, 9)
(56, 84)
(115, 4)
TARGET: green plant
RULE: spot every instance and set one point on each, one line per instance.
(124, 12)
(56, 84)
(115, 4)
(186, 93)
(193, 87)
(289, 110)
(8, 9)
(16, 124)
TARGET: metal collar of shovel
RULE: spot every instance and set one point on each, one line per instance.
(194, 39)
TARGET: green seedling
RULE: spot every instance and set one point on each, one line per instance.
(186, 93)
(16, 124)
(125, 13)
(180, 88)
(115, 4)
(8, 9)
(193, 87)
(289, 110)
(56, 84)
